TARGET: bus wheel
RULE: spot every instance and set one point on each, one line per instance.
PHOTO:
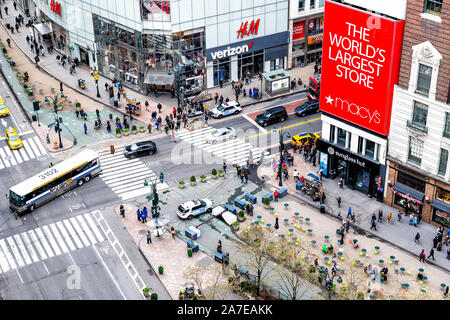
(31, 208)
(80, 182)
(87, 178)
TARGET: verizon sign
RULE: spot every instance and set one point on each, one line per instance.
(231, 51)
(360, 65)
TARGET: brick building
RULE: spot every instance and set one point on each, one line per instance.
(419, 141)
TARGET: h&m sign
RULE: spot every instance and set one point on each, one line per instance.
(55, 7)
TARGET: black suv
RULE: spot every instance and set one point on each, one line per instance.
(139, 149)
(272, 115)
(308, 107)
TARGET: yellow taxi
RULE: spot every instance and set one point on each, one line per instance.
(13, 138)
(4, 111)
(304, 138)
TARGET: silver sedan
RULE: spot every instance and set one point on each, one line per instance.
(220, 135)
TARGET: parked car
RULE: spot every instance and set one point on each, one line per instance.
(220, 135)
(305, 137)
(13, 139)
(3, 108)
(139, 149)
(309, 107)
(193, 208)
(271, 116)
(225, 110)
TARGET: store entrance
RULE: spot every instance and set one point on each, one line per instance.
(250, 63)
(84, 56)
(342, 170)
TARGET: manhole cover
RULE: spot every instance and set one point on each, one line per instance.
(142, 231)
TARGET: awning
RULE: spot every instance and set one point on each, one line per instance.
(441, 205)
(159, 79)
(400, 187)
(42, 29)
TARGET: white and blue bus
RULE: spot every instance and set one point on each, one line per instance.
(54, 181)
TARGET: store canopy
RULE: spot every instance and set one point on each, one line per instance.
(275, 75)
(441, 205)
(159, 79)
(42, 29)
(400, 187)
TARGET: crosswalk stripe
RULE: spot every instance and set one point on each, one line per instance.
(73, 234)
(28, 148)
(7, 254)
(22, 249)
(3, 261)
(16, 154)
(107, 152)
(129, 187)
(131, 177)
(108, 170)
(24, 154)
(29, 246)
(122, 172)
(86, 229)
(33, 146)
(66, 235)
(42, 238)
(79, 231)
(93, 227)
(1, 165)
(51, 239)
(59, 238)
(15, 252)
(39, 144)
(3, 155)
(10, 156)
(37, 245)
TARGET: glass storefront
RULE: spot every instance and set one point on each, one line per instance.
(252, 62)
(221, 71)
(441, 217)
(189, 51)
(363, 181)
(414, 206)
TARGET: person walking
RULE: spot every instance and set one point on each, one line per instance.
(347, 226)
(276, 194)
(374, 225)
(112, 149)
(422, 256)
(144, 215)
(149, 237)
(224, 167)
(389, 217)
(138, 212)
(431, 254)
(15, 5)
(122, 210)
(276, 226)
(417, 238)
(380, 216)
(17, 27)
(85, 128)
(9, 42)
(435, 242)
(399, 215)
(339, 199)
(149, 127)
(349, 212)
(373, 217)
(159, 106)
(6, 10)
(246, 178)
(161, 177)
(172, 232)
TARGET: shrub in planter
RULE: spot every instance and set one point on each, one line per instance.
(311, 269)
(266, 203)
(193, 181)
(154, 296)
(134, 128)
(202, 178)
(142, 129)
(126, 132)
(214, 173)
(77, 104)
(30, 93)
(161, 269)
(221, 173)
(245, 234)
(146, 291)
(241, 216)
(236, 225)
(181, 184)
(4, 50)
(360, 296)
(257, 241)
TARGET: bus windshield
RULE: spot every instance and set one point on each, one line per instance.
(16, 199)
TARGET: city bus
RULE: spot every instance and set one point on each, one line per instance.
(54, 181)
(314, 87)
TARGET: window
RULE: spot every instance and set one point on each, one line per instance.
(420, 113)
(313, 4)
(321, 3)
(301, 5)
(443, 162)
(424, 79)
(370, 148)
(415, 150)
(411, 181)
(433, 6)
(332, 133)
(349, 140)
(447, 125)
(341, 137)
(360, 144)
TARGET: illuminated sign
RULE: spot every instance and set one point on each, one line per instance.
(252, 29)
(315, 39)
(55, 7)
(298, 30)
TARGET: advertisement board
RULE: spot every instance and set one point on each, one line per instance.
(298, 31)
(360, 66)
(281, 84)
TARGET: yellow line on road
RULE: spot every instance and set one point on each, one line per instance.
(287, 127)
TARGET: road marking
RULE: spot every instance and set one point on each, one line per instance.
(39, 144)
(29, 246)
(79, 231)
(16, 154)
(24, 154)
(33, 146)
(4, 261)
(44, 242)
(93, 227)
(73, 234)
(66, 235)
(59, 238)
(3, 156)
(51, 240)
(10, 156)
(254, 123)
(86, 229)
(37, 244)
(287, 127)
(16, 253)
(28, 148)
(21, 280)
(7, 254)
(21, 247)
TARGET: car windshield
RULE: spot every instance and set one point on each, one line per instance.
(266, 114)
(182, 209)
(203, 203)
(220, 108)
(133, 147)
(2, 106)
(215, 133)
(14, 138)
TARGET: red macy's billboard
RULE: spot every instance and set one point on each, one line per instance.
(360, 65)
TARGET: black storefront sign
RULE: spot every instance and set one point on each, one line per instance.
(358, 172)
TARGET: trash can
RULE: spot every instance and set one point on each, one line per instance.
(189, 252)
(116, 103)
(322, 208)
(161, 269)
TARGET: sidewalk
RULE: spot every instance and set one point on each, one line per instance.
(399, 233)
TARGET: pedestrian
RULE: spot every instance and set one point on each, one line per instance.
(138, 211)
(15, 5)
(149, 237)
(149, 127)
(373, 217)
(246, 178)
(276, 226)
(144, 215)
(159, 106)
(161, 177)
(224, 167)
(349, 212)
(112, 149)
(6, 10)
(417, 238)
(435, 242)
(122, 210)
(172, 232)
(431, 253)
(347, 226)
(415, 221)
(422, 256)
(61, 86)
(17, 27)
(242, 176)
(374, 225)
(28, 39)
(399, 215)
(85, 128)
(276, 194)
(389, 217)
(446, 292)
(380, 215)
(32, 48)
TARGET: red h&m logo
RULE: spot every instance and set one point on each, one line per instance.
(55, 7)
(253, 29)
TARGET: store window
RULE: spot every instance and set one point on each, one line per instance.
(252, 63)
(370, 149)
(415, 150)
(424, 79)
(321, 3)
(312, 4)
(360, 144)
(443, 160)
(414, 206)
(439, 216)
(433, 6)
(341, 137)
(363, 181)
(189, 51)
(410, 181)
(443, 195)
(301, 5)
(221, 71)
(447, 125)
(332, 133)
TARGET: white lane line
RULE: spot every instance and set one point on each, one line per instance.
(16, 154)
(66, 235)
(33, 146)
(79, 231)
(58, 237)
(45, 267)
(93, 227)
(3, 155)
(8, 254)
(15, 252)
(24, 154)
(37, 245)
(21, 247)
(86, 229)
(39, 144)
(73, 234)
(4, 261)
(28, 148)
(1, 165)
(10, 156)
(29, 246)
(21, 280)
(254, 123)
(110, 274)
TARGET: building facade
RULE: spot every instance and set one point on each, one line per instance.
(419, 140)
(306, 31)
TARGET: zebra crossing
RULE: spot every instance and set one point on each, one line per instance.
(234, 151)
(125, 176)
(48, 241)
(32, 148)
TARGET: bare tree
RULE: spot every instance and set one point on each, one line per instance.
(210, 280)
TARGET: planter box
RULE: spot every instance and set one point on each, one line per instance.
(250, 198)
(221, 174)
(239, 203)
(181, 186)
(193, 183)
(126, 133)
(203, 180)
(118, 135)
(142, 130)
(235, 228)
(241, 219)
(214, 177)
(134, 131)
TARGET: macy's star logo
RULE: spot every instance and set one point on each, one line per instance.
(329, 100)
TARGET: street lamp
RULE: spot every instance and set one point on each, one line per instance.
(36, 58)
(98, 92)
(281, 136)
(57, 125)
